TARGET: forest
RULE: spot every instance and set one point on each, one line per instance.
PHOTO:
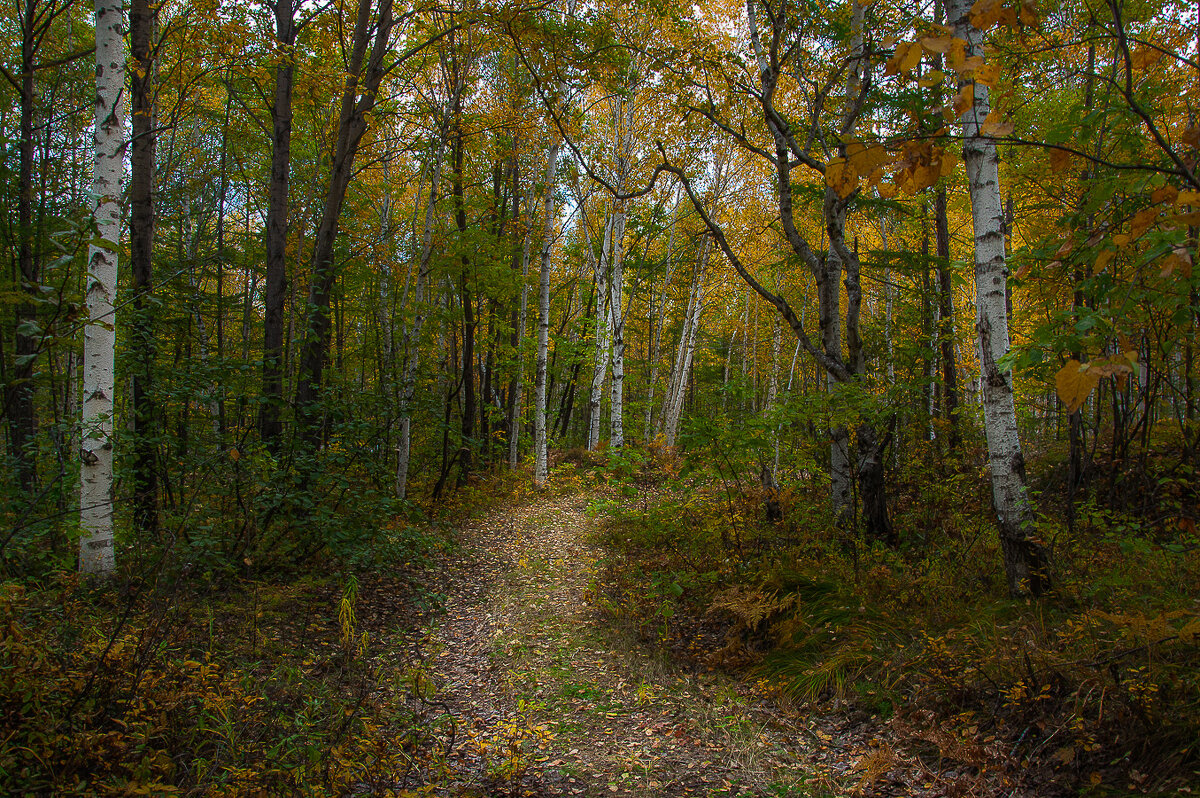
(571, 397)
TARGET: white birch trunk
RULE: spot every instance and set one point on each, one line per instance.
(687, 348)
(616, 291)
(412, 335)
(603, 319)
(96, 554)
(1024, 559)
(541, 471)
(514, 423)
(657, 319)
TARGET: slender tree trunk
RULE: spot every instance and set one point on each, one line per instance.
(412, 336)
(673, 406)
(366, 72)
(466, 296)
(141, 263)
(516, 386)
(19, 404)
(946, 317)
(99, 336)
(1025, 561)
(615, 304)
(656, 322)
(603, 328)
(541, 472)
(275, 290)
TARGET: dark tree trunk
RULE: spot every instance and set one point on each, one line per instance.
(358, 98)
(141, 263)
(275, 289)
(465, 293)
(872, 484)
(946, 313)
(19, 407)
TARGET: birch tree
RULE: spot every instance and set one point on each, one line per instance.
(96, 554)
(541, 471)
(1025, 562)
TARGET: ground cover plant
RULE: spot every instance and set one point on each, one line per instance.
(1093, 689)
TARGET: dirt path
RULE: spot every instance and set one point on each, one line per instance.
(551, 702)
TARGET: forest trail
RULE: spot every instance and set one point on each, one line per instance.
(551, 701)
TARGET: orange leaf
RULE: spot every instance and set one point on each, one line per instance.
(937, 44)
(932, 78)
(1104, 258)
(841, 177)
(1074, 383)
(987, 74)
(1141, 221)
(1164, 194)
(986, 13)
(1060, 160)
(964, 99)
(994, 126)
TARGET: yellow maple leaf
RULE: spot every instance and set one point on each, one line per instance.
(931, 78)
(1074, 383)
(995, 126)
(841, 177)
(964, 99)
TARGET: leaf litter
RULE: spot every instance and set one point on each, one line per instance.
(547, 699)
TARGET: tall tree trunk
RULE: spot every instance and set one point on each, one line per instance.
(946, 319)
(466, 296)
(412, 335)
(616, 309)
(365, 73)
(541, 473)
(1025, 561)
(19, 404)
(673, 404)
(99, 336)
(141, 263)
(601, 341)
(275, 289)
(656, 322)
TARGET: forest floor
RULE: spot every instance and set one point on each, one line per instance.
(550, 698)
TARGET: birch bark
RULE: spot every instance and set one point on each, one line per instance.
(673, 407)
(603, 328)
(1025, 562)
(541, 470)
(99, 337)
(657, 319)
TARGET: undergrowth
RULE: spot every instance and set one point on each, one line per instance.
(1096, 687)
